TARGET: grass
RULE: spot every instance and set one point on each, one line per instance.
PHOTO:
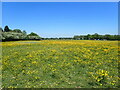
(60, 64)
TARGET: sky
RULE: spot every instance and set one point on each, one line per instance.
(61, 19)
(59, 0)
(0, 13)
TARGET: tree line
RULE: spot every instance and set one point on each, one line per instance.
(96, 36)
(8, 34)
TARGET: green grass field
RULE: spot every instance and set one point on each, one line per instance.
(60, 64)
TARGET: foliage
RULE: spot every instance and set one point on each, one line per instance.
(97, 37)
(12, 35)
(60, 64)
(32, 34)
(16, 34)
(24, 32)
(17, 30)
(6, 29)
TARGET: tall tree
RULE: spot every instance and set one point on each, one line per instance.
(6, 29)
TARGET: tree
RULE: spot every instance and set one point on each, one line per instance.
(76, 37)
(96, 36)
(101, 37)
(6, 29)
(116, 37)
(107, 36)
(24, 32)
(32, 34)
(17, 30)
(88, 36)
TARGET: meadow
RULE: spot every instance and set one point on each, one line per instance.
(60, 64)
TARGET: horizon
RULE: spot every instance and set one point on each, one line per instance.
(61, 19)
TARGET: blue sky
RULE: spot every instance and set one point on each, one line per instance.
(59, 0)
(0, 13)
(61, 19)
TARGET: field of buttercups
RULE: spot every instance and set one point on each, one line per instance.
(60, 64)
